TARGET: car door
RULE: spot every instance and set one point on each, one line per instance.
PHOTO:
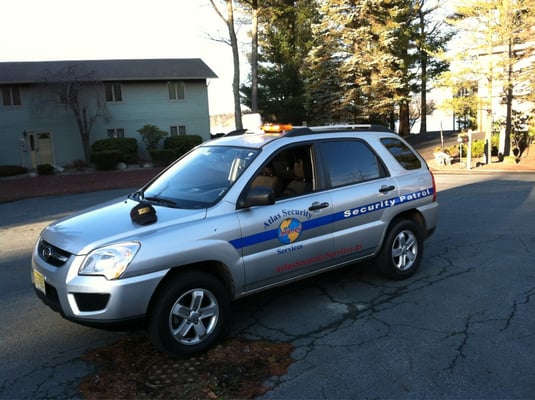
(293, 236)
(361, 193)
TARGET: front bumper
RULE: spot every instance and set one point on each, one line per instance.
(92, 300)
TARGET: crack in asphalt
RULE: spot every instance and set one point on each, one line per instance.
(42, 376)
(45, 384)
(465, 335)
(525, 299)
(447, 267)
(389, 296)
(524, 245)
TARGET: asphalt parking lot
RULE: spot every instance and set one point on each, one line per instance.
(462, 327)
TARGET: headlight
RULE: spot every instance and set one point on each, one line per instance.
(110, 261)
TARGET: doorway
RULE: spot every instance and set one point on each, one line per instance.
(41, 150)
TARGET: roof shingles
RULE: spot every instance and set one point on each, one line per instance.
(106, 70)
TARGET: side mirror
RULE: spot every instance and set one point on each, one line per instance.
(258, 196)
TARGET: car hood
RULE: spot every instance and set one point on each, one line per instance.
(110, 223)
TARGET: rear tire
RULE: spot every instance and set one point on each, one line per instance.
(190, 313)
(402, 250)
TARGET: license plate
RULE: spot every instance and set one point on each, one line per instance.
(39, 281)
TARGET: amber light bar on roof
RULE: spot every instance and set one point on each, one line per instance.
(276, 128)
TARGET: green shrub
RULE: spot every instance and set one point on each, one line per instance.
(12, 170)
(182, 144)
(453, 151)
(478, 148)
(77, 165)
(162, 157)
(127, 147)
(45, 169)
(151, 136)
(106, 160)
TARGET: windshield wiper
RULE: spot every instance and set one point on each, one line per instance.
(136, 195)
(160, 200)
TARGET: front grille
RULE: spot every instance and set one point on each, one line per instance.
(51, 254)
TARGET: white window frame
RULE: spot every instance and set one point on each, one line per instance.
(115, 91)
(177, 130)
(115, 133)
(8, 97)
(177, 90)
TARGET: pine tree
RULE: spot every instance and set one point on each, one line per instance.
(284, 37)
(373, 47)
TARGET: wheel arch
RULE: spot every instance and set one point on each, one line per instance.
(412, 215)
(384, 257)
(215, 268)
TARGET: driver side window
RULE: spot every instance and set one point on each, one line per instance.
(289, 173)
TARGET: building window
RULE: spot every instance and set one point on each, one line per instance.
(113, 91)
(178, 130)
(11, 96)
(176, 90)
(116, 133)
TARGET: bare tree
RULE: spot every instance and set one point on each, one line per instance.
(255, 11)
(417, 110)
(228, 19)
(432, 37)
(79, 91)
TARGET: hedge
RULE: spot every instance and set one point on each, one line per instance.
(182, 144)
(162, 157)
(174, 147)
(106, 160)
(127, 148)
(12, 170)
(45, 169)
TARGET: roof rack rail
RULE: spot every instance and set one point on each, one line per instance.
(352, 127)
(299, 131)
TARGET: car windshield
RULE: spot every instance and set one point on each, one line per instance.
(201, 178)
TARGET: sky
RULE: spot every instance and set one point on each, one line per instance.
(44, 30)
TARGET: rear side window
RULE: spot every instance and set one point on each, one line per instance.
(349, 162)
(402, 153)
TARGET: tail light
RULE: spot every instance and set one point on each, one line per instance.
(434, 186)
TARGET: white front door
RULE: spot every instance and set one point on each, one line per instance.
(41, 150)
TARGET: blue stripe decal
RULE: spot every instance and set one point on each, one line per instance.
(317, 222)
(271, 234)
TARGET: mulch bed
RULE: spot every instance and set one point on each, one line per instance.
(234, 369)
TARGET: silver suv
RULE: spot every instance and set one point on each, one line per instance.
(235, 216)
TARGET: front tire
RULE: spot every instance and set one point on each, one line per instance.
(402, 250)
(189, 314)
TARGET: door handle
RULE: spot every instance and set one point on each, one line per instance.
(318, 206)
(388, 188)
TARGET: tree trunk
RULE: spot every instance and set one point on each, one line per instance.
(423, 95)
(80, 116)
(509, 101)
(254, 58)
(423, 74)
(236, 63)
(404, 125)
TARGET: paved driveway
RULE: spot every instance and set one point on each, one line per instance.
(463, 327)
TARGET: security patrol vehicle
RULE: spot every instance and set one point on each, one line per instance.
(235, 216)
